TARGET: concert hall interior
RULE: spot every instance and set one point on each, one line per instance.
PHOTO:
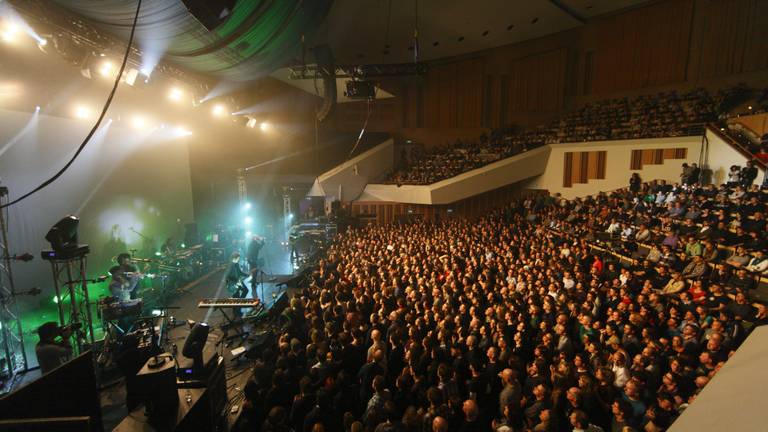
(383, 215)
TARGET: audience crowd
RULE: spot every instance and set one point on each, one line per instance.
(605, 313)
(666, 114)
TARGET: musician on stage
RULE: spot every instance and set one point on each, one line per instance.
(125, 278)
(254, 248)
(234, 279)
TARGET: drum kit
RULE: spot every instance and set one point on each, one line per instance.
(171, 271)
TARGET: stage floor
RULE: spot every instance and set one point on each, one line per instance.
(185, 308)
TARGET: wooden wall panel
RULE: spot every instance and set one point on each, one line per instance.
(728, 37)
(655, 156)
(581, 167)
(643, 47)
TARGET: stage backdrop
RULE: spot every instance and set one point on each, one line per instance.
(131, 190)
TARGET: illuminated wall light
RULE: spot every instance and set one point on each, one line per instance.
(219, 110)
(175, 94)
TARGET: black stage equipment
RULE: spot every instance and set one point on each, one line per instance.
(68, 391)
(327, 70)
(358, 89)
(156, 387)
(193, 346)
(63, 235)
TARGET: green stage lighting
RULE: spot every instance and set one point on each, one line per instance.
(158, 253)
(248, 220)
(247, 206)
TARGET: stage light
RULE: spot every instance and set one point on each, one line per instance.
(183, 245)
(248, 234)
(290, 216)
(9, 32)
(42, 42)
(138, 122)
(63, 235)
(82, 112)
(182, 131)
(247, 206)
(247, 220)
(106, 68)
(219, 110)
(157, 312)
(158, 253)
(146, 71)
(37, 108)
(265, 127)
(252, 123)
(175, 94)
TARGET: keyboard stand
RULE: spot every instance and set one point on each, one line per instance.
(232, 322)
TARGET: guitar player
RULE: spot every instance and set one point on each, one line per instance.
(125, 278)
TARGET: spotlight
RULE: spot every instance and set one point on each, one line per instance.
(138, 122)
(82, 112)
(290, 215)
(252, 123)
(106, 67)
(63, 235)
(146, 71)
(175, 94)
(247, 206)
(248, 220)
(37, 108)
(182, 131)
(219, 110)
(265, 127)
(42, 42)
(9, 32)
(248, 234)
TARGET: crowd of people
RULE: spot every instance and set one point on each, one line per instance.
(605, 313)
(667, 114)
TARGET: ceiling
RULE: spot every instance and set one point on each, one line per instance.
(260, 36)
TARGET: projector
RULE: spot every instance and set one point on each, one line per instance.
(358, 89)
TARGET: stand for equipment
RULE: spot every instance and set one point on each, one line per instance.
(69, 272)
(14, 359)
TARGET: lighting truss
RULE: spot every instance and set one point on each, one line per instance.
(11, 334)
(361, 71)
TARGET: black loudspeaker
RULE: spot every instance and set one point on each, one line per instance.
(326, 65)
(210, 13)
(156, 385)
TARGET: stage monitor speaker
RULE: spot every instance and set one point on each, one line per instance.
(210, 13)
(156, 386)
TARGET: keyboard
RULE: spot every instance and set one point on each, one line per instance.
(228, 302)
